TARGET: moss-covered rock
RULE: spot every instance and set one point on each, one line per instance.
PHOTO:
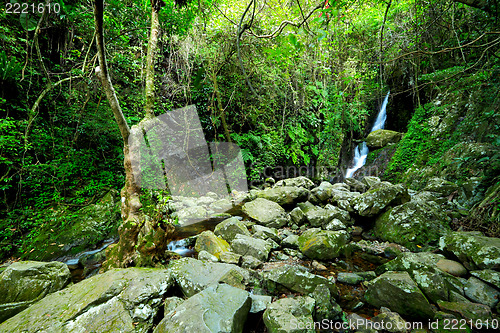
(265, 212)
(219, 308)
(290, 315)
(398, 292)
(283, 195)
(229, 228)
(125, 300)
(375, 201)
(473, 249)
(381, 138)
(412, 224)
(322, 244)
(208, 241)
(25, 282)
(255, 247)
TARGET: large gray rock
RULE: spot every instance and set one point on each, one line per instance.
(229, 228)
(208, 241)
(326, 307)
(375, 201)
(283, 195)
(296, 279)
(381, 138)
(481, 292)
(219, 308)
(193, 275)
(297, 216)
(262, 232)
(321, 193)
(473, 250)
(471, 312)
(398, 292)
(488, 275)
(255, 247)
(412, 224)
(290, 315)
(322, 244)
(340, 214)
(120, 300)
(25, 282)
(265, 212)
(297, 181)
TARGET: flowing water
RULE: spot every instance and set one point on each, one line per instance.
(361, 154)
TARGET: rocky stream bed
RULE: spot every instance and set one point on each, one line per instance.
(358, 256)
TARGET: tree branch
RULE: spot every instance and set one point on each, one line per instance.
(150, 60)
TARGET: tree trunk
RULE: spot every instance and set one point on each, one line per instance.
(140, 239)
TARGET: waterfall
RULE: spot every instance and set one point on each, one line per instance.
(361, 154)
(179, 247)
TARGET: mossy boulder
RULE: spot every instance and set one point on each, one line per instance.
(398, 292)
(412, 224)
(290, 315)
(265, 212)
(375, 201)
(208, 241)
(322, 244)
(25, 282)
(441, 186)
(255, 247)
(120, 300)
(219, 308)
(297, 181)
(296, 279)
(473, 249)
(192, 275)
(66, 233)
(381, 138)
(229, 228)
(283, 195)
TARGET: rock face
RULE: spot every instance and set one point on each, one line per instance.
(381, 138)
(265, 212)
(228, 229)
(412, 224)
(193, 275)
(398, 292)
(374, 201)
(296, 279)
(208, 241)
(26, 282)
(473, 250)
(125, 300)
(322, 244)
(290, 315)
(219, 308)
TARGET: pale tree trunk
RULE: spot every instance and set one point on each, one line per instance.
(140, 239)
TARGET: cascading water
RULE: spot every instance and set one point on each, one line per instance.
(180, 247)
(361, 154)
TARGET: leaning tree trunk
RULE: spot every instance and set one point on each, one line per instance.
(141, 239)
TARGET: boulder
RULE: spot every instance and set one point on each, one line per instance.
(398, 292)
(283, 195)
(25, 282)
(297, 216)
(171, 303)
(265, 233)
(452, 267)
(265, 212)
(190, 215)
(208, 241)
(335, 225)
(322, 244)
(219, 308)
(375, 201)
(193, 275)
(340, 214)
(355, 185)
(291, 241)
(260, 302)
(255, 247)
(481, 292)
(250, 262)
(205, 256)
(441, 186)
(229, 228)
(476, 313)
(290, 315)
(326, 307)
(489, 276)
(381, 138)
(474, 250)
(370, 180)
(297, 181)
(119, 300)
(230, 257)
(319, 217)
(412, 224)
(296, 279)
(321, 193)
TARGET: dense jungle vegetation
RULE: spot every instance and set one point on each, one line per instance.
(294, 82)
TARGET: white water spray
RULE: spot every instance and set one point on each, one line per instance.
(361, 154)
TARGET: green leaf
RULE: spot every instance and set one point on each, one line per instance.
(27, 22)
